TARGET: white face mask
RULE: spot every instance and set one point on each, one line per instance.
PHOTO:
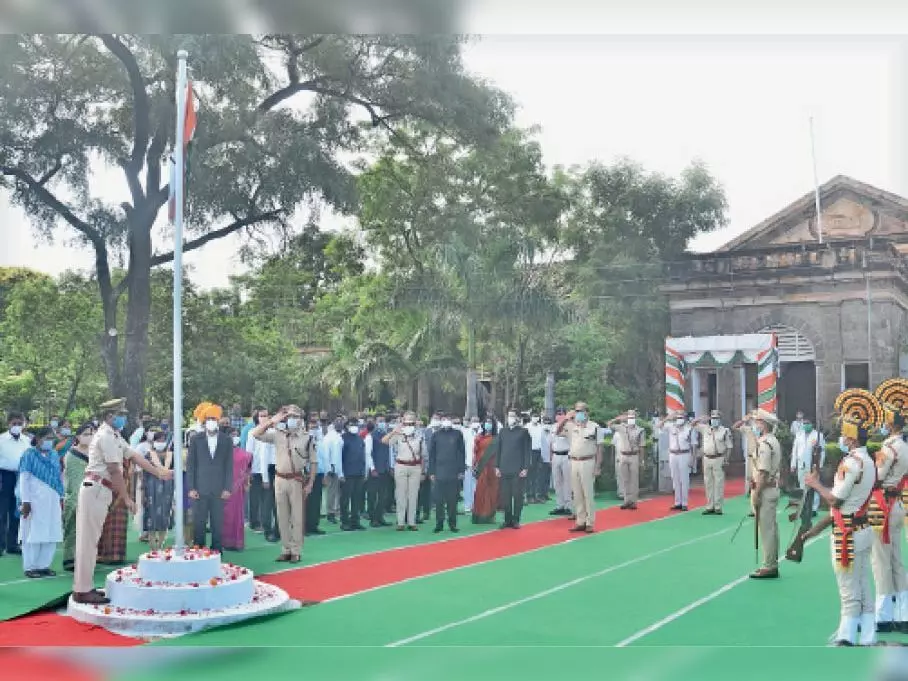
(512, 421)
(679, 422)
(236, 440)
(714, 423)
(54, 424)
(631, 421)
(149, 436)
(353, 430)
(534, 420)
(447, 423)
(211, 425)
(15, 430)
(282, 425)
(408, 430)
(292, 423)
(160, 446)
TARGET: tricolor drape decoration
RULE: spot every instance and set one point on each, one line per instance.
(757, 348)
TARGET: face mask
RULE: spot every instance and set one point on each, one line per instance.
(884, 431)
(843, 445)
(447, 423)
(149, 436)
(474, 426)
(632, 422)
(488, 426)
(679, 422)
(756, 430)
(381, 426)
(353, 430)
(512, 421)
(581, 417)
(54, 423)
(409, 430)
(808, 428)
(15, 430)
(534, 420)
(165, 426)
(66, 432)
(282, 425)
(236, 440)
(119, 422)
(160, 446)
(211, 425)
(47, 445)
(95, 423)
(293, 423)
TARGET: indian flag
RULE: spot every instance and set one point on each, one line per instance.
(188, 132)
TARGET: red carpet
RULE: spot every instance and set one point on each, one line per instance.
(23, 665)
(350, 576)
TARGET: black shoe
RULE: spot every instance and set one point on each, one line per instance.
(709, 511)
(332, 519)
(455, 529)
(347, 528)
(515, 526)
(439, 528)
(885, 627)
(48, 573)
(683, 508)
(33, 574)
(765, 574)
(676, 507)
(842, 643)
(504, 526)
(274, 539)
(556, 511)
(15, 551)
(624, 506)
(718, 511)
(578, 528)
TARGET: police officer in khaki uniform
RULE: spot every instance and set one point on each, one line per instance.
(851, 536)
(103, 479)
(296, 465)
(586, 463)
(629, 441)
(715, 447)
(886, 553)
(764, 486)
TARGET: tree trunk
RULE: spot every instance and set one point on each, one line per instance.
(422, 395)
(138, 311)
(472, 408)
(110, 341)
(74, 388)
(550, 394)
(518, 372)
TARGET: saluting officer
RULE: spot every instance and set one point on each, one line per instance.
(103, 479)
(680, 450)
(295, 466)
(764, 485)
(586, 463)
(851, 536)
(629, 441)
(715, 447)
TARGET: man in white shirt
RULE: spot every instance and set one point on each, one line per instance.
(680, 446)
(256, 491)
(469, 482)
(13, 444)
(561, 470)
(265, 454)
(334, 444)
(534, 428)
(806, 441)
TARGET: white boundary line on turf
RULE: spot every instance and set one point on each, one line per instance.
(553, 590)
(689, 607)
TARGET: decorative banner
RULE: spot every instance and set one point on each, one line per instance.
(758, 348)
(674, 380)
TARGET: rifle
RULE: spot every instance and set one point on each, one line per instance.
(804, 512)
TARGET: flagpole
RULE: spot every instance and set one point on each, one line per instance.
(179, 544)
(816, 183)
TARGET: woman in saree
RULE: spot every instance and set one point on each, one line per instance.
(485, 499)
(233, 537)
(75, 461)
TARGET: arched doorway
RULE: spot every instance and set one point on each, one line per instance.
(797, 387)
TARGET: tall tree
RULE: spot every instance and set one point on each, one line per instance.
(279, 116)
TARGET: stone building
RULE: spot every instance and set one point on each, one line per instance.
(837, 300)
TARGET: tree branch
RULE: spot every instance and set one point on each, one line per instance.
(141, 106)
(218, 234)
(50, 200)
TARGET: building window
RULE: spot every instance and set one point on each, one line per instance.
(856, 375)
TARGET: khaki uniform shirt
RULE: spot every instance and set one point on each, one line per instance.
(583, 438)
(715, 441)
(854, 480)
(107, 446)
(409, 449)
(628, 439)
(892, 461)
(768, 459)
(293, 451)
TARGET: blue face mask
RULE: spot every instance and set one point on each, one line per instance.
(47, 445)
(581, 416)
(756, 430)
(66, 432)
(487, 426)
(884, 431)
(119, 422)
(843, 445)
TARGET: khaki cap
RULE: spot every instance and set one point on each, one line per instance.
(116, 404)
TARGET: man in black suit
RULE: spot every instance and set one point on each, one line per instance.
(447, 464)
(209, 469)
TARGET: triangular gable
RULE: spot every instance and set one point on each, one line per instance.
(851, 210)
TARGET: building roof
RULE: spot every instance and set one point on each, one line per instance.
(851, 209)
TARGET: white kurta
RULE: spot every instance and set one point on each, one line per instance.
(44, 525)
(469, 484)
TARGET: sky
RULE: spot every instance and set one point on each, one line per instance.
(741, 105)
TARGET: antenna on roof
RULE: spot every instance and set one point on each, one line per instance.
(816, 183)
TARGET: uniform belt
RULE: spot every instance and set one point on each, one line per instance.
(713, 456)
(583, 458)
(289, 476)
(560, 453)
(679, 451)
(633, 453)
(417, 462)
(94, 477)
